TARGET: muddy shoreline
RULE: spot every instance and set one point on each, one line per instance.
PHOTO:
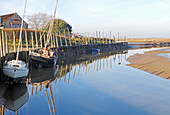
(151, 63)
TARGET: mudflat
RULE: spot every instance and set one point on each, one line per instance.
(151, 63)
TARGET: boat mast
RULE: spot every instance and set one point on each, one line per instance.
(21, 30)
(51, 25)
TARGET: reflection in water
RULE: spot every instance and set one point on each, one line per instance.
(13, 97)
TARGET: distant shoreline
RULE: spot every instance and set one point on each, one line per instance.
(151, 63)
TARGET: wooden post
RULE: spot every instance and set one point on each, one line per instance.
(14, 41)
(36, 39)
(94, 37)
(6, 42)
(54, 39)
(78, 37)
(32, 40)
(89, 38)
(97, 37)
(44, 39)
(21, 44)
(1, 51)
(26, 40)
(51, 37)
(110, 36)
(69, 36)
(74, 39)
(56, 34)
(41, 39)
(103, 37)
(65, 37)
(118, 36)
(3, 42)
(60, 39)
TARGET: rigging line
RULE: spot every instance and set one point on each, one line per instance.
(21, 31)
(51, 25)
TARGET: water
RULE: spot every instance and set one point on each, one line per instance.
(165, 54)
(93, 84)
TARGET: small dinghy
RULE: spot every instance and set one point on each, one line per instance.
(15, 69)
(95, 50)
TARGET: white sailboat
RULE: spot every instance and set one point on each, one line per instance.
(16, 69)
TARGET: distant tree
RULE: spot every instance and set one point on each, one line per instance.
(38, 21)
(59, 25)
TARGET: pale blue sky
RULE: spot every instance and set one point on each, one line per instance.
(133, 18)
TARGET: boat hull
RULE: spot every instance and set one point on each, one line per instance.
(42, 60)
(15, 73)
(95, 50)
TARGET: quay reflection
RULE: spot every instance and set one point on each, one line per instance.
(43, 79)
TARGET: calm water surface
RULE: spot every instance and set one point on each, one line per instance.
(90, 85)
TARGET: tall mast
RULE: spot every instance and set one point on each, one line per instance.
(51, 25)
(21, 30)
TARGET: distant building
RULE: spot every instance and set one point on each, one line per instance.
(12, 21)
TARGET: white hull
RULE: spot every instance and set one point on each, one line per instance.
(13, 73)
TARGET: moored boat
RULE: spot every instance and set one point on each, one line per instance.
(94, 50)
(15, 69)
(43, 57)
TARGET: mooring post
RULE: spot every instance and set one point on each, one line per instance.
(21, 44)
(41, 39)
(65, 37)
(1, 51)
(74, 38)
(26, 40)
(36, 39)
(69, 36)
(106, 38)
(86, 37)
(91, 37)
(6, 42)
(51, 38)
(14, 41)
(44, 38)
(78, 37)
(32, 37)
(97, 37)
(56, 39)
(60, 39)
(100, 37)
(103, 37)
(94, 37)
(3, 42)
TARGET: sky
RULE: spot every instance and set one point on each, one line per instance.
(131, 18)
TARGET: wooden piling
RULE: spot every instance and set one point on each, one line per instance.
(65, 38)
(14, 41)
(26, 40)
(32, 37)
(56, 39)
(69, 36)
(41, 39)
(3, 43)
(44, 38)
(60, 39)
(6, 43)
(74, 39)
(36, 39)
(1, 51)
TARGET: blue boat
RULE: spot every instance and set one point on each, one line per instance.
(95, 50)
